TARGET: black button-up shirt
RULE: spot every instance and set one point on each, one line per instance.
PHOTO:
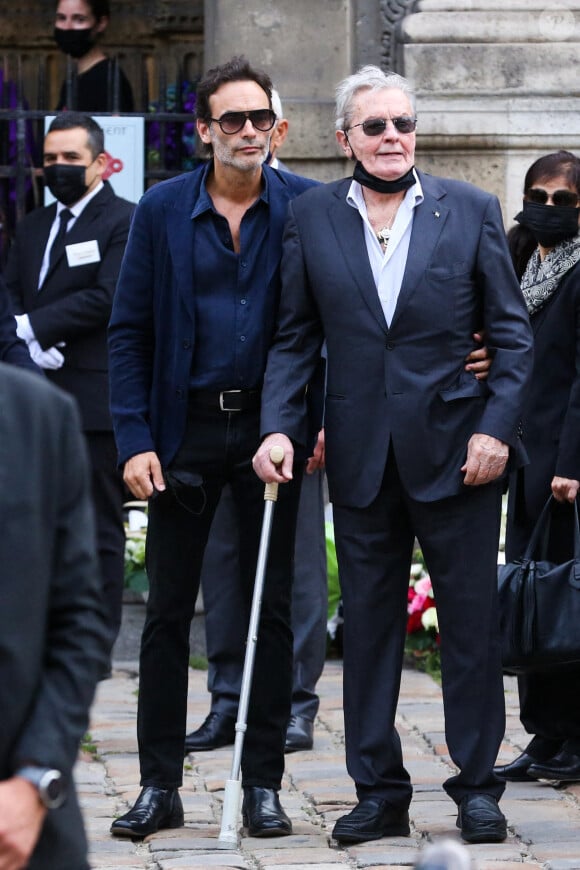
(235, 308)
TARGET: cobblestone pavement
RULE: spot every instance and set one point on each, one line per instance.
(544, 822)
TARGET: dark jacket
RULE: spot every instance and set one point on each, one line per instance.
(74, 304)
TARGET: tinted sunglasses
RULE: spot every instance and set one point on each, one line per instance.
(233, 122)
(377, 126)
(559, 197)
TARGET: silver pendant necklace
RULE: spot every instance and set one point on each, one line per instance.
(383, 235)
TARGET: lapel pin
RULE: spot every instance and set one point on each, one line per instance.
(437, 214)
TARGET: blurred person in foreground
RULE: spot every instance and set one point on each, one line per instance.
(53, 640)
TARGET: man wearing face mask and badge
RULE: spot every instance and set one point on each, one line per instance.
(61, 274)
(79, 25)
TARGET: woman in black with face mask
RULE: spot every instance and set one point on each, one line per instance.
(546, 251)
(99, 87)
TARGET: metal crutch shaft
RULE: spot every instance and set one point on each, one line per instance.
(232, 792)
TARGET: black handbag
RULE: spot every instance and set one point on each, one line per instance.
(539, 604)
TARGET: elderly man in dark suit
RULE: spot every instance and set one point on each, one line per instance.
(397, 270)
(53, 639)
(61, 274)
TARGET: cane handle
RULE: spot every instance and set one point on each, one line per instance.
(271, 489)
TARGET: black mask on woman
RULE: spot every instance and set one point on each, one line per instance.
(549, 224)
(66, 182)
(77, 43)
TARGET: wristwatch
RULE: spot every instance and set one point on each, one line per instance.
(48, 782)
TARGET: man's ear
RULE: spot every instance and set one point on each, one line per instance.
(343, 142)
(203, 131)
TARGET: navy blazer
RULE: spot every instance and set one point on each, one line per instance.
(152, 328)
(74, 304)
(552, 414)
(406, 383)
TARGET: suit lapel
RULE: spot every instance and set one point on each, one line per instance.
(45, 220)
(180, 239)
(348, 229)
(428, 222)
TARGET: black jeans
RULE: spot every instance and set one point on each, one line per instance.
(217, 449)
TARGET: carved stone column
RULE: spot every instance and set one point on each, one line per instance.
(497, 86)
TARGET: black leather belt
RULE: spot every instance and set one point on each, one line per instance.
(227, 400)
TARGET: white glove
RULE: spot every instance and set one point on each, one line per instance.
(23, 328)
(46, 359)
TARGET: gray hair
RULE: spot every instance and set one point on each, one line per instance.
(277, 104)
(368, 78)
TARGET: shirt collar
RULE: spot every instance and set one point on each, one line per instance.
(204, 201)
(413, 197)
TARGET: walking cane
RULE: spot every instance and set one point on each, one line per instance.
(233, 788)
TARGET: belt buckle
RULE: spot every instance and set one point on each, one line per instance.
(227, 393)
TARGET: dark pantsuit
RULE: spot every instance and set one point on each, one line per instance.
(217, 449)
(108, 495)
(458, 536)
(223, 603)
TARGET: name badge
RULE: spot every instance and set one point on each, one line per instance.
(83, 253)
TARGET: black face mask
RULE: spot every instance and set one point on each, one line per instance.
(365, 178)
(66, 182)
(77, 43)
(549, 224)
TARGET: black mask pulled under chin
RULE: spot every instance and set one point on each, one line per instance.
(549, 224)
(365, 178)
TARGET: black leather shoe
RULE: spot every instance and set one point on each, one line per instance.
(481, 820)
(217, 730)
(155, 808)
(371, 819)
(299, 734)
(262, 813)
(516, 770)
(563, 767)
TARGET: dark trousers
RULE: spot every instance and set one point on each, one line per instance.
(459, 538)
(108, 493)
(549, 702)
(226, 633)
(217, 449)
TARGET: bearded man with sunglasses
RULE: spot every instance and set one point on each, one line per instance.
(192, 322)
(397, 270)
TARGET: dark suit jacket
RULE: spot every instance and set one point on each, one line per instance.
(53, 639)
(12, 349)
(552, 414)
(406, 383)
(152, 329)
(74, 304)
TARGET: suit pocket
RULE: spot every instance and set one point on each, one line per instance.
(473, 389)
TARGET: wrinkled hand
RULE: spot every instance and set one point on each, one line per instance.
(486, 459)
(21, 818)
(479, 360)
(317, 460)
(51, 358)
(142, 474)
(263, 465)
(565, 489)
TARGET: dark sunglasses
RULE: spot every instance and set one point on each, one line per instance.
(377, 126)
(233, 122)
(559, 197)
